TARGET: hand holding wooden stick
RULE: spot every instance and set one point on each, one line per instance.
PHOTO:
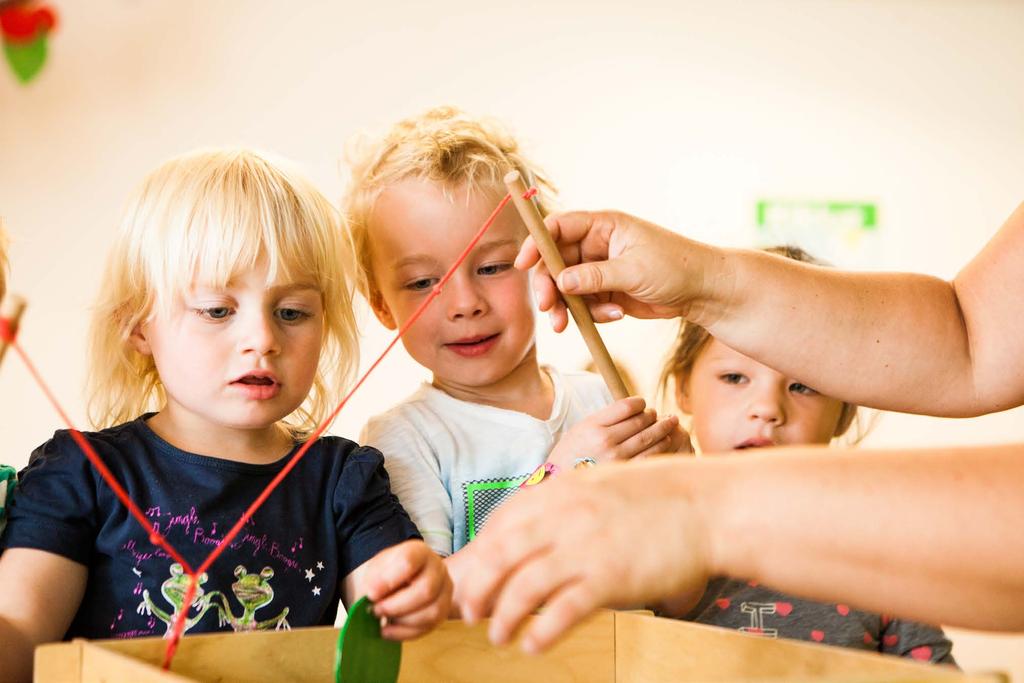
(555, 264)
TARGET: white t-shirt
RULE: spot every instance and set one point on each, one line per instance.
(452, 462)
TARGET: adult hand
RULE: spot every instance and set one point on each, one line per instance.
(614, 535)
(625, 265)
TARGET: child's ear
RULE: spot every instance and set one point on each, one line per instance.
(683, 393)
(139, 342)
(381, 310)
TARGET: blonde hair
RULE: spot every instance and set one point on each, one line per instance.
(443, 145)
(693, 338)
(204, 217)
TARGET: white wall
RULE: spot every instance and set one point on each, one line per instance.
(682, 112)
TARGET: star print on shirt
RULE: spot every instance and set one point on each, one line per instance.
(320, 566)
(316, 590)
(309, 575)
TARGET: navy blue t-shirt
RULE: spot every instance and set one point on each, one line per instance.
(333, 512)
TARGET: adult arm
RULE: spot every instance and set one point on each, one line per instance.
(933, 536)
(895, 341)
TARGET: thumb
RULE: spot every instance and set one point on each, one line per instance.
(593, 278)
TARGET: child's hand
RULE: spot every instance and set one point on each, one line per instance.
(679, 442)
(621, 430)
(410, 586)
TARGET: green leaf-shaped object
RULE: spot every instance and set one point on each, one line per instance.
(362, 655)
(26, 59)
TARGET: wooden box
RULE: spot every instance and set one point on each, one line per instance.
(610, 647)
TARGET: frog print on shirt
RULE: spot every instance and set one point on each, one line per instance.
(253, 591)
(174, 590)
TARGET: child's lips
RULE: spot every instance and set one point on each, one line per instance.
(256, 378)
(250, 379)
(258, 385)
(756, 443)
(473, 346)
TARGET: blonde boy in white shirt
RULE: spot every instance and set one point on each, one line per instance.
(491, 415)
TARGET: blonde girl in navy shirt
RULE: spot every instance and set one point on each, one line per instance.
(223, 333)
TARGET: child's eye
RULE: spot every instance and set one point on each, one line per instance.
(798, 388)
(493, 268)
(733, 378)
(292, 315)
(213, 312)
(422, 284)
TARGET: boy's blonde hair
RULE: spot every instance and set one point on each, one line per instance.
(443, 145)
(203, 218)
(693, 338)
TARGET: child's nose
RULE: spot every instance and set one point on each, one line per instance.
(258, 334)
(463, 299)
(768, 405)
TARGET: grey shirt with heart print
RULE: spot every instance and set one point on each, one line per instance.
(752, 608)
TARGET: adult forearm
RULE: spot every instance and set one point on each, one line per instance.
(931, 535)
(896, 341)
(888, 340)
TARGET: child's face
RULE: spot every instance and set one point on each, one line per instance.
(481, 327)
(242, 357)
(736, 402)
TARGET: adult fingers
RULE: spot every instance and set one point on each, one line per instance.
(598, 277)
(544, 289)
(565, 608)
(604, 312)
(572, 227)
(526, 590)
(528, 255)
(516, 532)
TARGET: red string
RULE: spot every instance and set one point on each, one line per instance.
(8, 330)
(154, 536)
(179, 623)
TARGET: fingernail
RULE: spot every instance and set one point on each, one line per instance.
(496, 634)
(569, 282)
(615, 314)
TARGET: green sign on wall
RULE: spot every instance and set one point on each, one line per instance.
(783, 213)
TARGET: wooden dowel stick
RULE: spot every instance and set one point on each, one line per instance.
(555, 265)
(11, 309)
